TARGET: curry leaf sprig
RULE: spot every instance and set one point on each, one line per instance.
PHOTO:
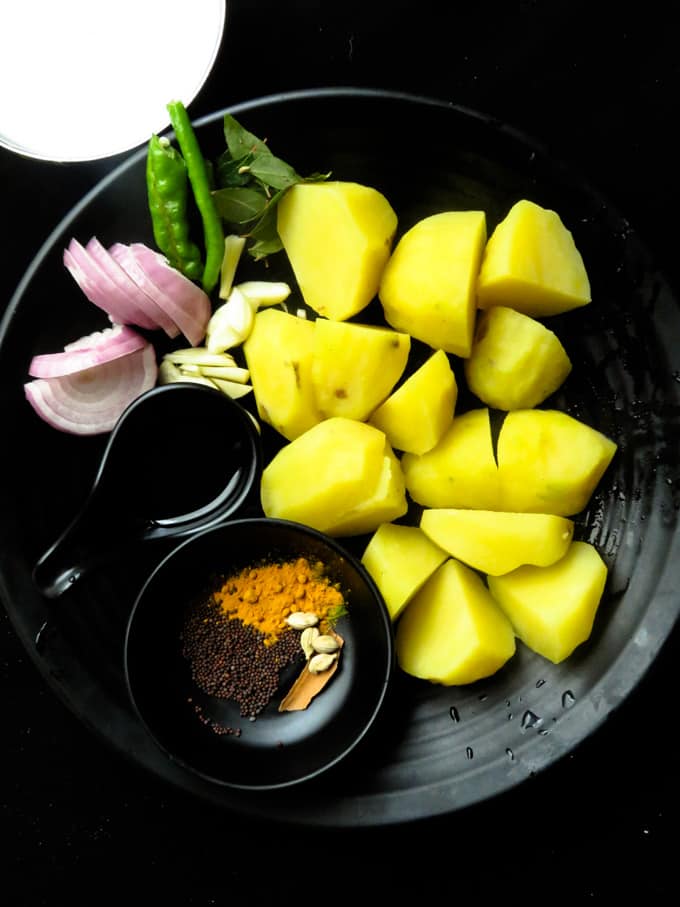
(252, 181)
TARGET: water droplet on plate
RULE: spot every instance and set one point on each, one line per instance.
(468, 752)
(568, 699)
(509, 753)
(530, 719)
(454, 713)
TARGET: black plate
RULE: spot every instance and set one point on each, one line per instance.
(435, 750)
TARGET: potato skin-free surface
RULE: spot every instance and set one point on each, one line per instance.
(418, 413)
(338, 236)
(355, 366)
(452, 631)
(516, 362)
(401, 559)
(428, 285)
(324, 473)
(278, 354)
(549, 462)
(494, 542)
(459, 471)
(552, 609)
(531, 264)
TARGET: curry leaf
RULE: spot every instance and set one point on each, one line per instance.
(240, 205)
(253, 181)
(240, 142)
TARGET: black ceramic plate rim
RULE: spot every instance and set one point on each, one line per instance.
(378, 695)
(584, 716)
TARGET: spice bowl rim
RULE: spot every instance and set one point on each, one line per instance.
(339, 722)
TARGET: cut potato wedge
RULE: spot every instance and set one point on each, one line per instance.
(428, 285)
(338, 236)
(401, 559)
(459, 471)
(549, 462)
(516, 362)
(531, 264)
(453, 632)
(552, 609)
(417, 414)
(496, 543)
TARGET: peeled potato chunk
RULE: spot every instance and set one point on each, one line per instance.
(278, 353)
(550, 462)
(552, 609)
(338, 236)
(418, 413)
(400, 559)
(386, 502)
(355, 366)
(324, 473)
(516, 362)
(452, 631)
(428, 285)
(495, 542)
(531, 264)
(459, 471)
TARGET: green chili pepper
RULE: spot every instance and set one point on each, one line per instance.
(167, 188)
(199, 177)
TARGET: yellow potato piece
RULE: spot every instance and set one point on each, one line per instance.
(355, 366)
(418, 413)
(550, 462)
(459, 471)
(516, 362)
(553, 608)
(452, 631)
(400, 559)
(324, 473)
(278, 353)
(495, 542)
(428, 285)
(338, 237)
(386, 502)
(531, 264)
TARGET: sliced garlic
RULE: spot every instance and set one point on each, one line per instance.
(199, 355)
(226, 372)
(233, 247)
(264, 292)
(231, 388)
(230, 324)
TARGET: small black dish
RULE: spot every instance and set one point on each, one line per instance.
(181, 457)
(275, 749)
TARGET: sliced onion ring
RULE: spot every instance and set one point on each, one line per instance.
(101, 290)
(88, 352)
(150, 314)
(91, 401)
(185, 302)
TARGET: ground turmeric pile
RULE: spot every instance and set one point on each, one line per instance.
(264, 595)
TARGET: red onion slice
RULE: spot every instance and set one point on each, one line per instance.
(149, 310)
(91, 401)
(185, 302)
(100, 289)
(88, 352)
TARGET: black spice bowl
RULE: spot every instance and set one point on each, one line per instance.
(206, 734)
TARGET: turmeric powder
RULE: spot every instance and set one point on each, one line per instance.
(264, 595)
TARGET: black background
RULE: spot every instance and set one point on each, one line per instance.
(598, 83)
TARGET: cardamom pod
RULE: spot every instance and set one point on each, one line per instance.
(307, 640)
(300, 620)
(325, 643)
(321, 662)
